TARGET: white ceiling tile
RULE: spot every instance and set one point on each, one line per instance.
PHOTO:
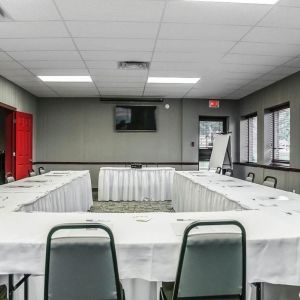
(295, 3)
(266, 49)
(246, 68)
(294, 63)
(9, 65)
(113, 29)
(107, 10)
(118, 79)
(45, 55)
(118, 73)
(201, 56)
(115, 44)
(12, 73)
(112, 84)
(78, 93)
(179, 66)
(273, 35)
(117, 55)
(193, 46)
(41, 91)
(99, 64)
(267, 60)
(51, 64)
(127, 90)
(32, 30)
(175, 73)
(214, 13)
(33, 10)
(282, 16)
(36, 44)
(4, 57)
(202, 32)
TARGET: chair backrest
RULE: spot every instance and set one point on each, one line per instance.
(9, 177)
(218, 170)
(270, 181)
(81, 266)
(41, 170)
(229, 172)
(250, 177)
(212, 265)
(31, 173)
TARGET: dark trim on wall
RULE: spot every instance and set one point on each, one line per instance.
(6, 106)
(271, 167)
(111, 163)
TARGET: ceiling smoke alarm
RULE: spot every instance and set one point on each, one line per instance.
(133, 65)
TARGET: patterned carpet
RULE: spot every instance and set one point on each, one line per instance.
(131, 206)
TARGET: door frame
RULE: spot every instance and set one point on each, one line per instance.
(11, 109)
(224, 119)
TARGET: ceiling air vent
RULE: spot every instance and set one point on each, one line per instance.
(133, 65)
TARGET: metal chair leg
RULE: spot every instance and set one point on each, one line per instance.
(26, 289)
(10, 286)
(258, 286)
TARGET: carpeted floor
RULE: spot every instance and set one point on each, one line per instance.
(130, 206)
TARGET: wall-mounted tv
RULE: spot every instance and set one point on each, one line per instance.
(135, 118)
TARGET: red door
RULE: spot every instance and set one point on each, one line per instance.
(23, 144)
(9, 143)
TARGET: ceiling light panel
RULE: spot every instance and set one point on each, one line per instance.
(66, 78)
(173, 80)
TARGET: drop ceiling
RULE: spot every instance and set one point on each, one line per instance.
(235, 49)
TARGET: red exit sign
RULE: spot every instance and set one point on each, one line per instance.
(214, 104)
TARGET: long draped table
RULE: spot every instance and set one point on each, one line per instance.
(208, 191)
(128, 184)
(148, 245)
(56, 191)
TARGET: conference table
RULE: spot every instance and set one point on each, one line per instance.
(56, 191)
(148, 246)
(130, 184)
(208, 191)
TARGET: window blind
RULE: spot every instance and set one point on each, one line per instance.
(248, 139)
(281, 135)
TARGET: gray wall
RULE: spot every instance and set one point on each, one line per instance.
(286, 90)
(82, 130)
(17, 97)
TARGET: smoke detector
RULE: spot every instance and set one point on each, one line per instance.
(133, 65)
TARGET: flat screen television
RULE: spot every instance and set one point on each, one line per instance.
(135, 118)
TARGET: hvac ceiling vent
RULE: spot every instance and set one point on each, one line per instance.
(133, 65)
(4, 16)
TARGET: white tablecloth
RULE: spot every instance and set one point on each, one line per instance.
(127, 184)
(56, 191)
(207, 191)
(149, 250)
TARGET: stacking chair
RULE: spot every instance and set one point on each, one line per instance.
(250, 177)
(41, 170)
(81, 266)
(211, 265)
(9, 177)
(270, 181)
(218, 170)
(229, 172)
(31, 173)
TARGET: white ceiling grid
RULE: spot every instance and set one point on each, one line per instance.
(236, 49)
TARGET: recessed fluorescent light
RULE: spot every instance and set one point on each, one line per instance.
(66, 78)
(241, 1)
(172, 80)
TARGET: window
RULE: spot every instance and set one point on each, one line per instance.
(281, 135)
(208, 128)
(249, 139)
